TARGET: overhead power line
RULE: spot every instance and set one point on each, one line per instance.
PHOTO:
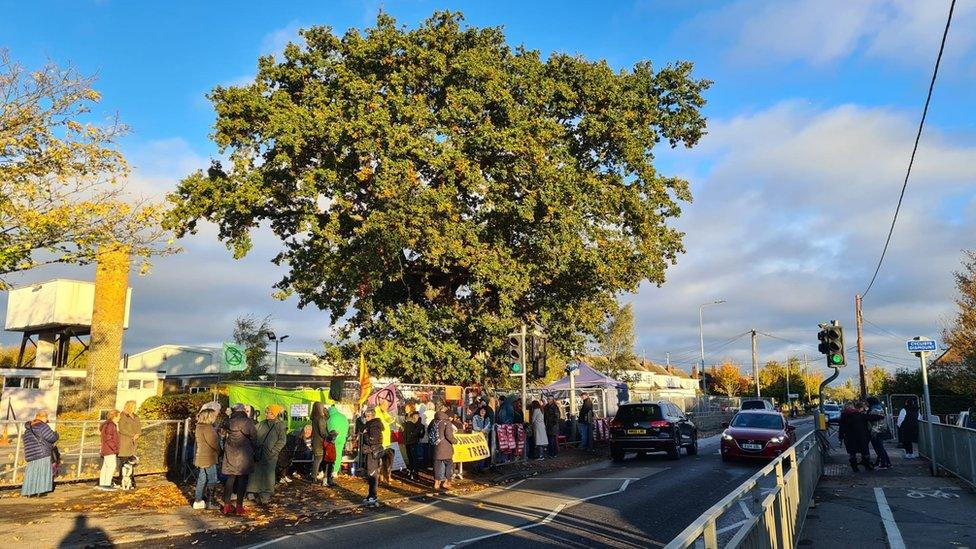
(918, 137)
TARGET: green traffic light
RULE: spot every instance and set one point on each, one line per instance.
(835, 359)
(516, 368)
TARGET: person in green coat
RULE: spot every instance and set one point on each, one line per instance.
(340, 424)
(271, 438)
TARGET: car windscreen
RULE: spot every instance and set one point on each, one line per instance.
(753, 405)
(758, 421)
(831, 408)
(636, 413)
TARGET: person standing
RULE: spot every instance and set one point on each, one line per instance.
(372, 448)
(444, 450)
(39, 440)
(876, 423)
(337, 422)
(413, 432)
(854, 433)
(271, 436)
(238, 461)
(320, 430)
(109, 450)
(482, 424)
(908, 419)
(539, 433)
(551, 414)
(206, 450)
(383, 414)
(130, 429)
(585, 421)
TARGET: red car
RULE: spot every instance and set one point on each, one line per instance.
(756, 434)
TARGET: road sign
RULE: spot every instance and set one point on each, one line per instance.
(572, 367)
(921, 345)
(794, 395)
(234, 357)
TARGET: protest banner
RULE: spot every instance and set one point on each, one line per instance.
(470, 447)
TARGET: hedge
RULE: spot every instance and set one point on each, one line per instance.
(179, 406)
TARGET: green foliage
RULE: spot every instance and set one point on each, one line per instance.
(841, 393)
(178, 406)
(252, 333)
(772, 379)
(959, 364)
(77, 356)
(435, 187)
(616, 341)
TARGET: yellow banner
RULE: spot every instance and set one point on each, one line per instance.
(470, 447)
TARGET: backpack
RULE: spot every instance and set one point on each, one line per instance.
(434, 432)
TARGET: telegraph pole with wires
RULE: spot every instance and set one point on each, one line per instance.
(860, 347)
(755, 360)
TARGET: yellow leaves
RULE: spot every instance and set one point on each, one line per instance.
(364, 173)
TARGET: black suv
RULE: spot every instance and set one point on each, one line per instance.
(657, 426)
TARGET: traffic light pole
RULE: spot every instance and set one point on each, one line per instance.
(524, 368)
(860, 347)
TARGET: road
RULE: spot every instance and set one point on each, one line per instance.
(642, 502)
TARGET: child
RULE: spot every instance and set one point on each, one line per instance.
(330, 457)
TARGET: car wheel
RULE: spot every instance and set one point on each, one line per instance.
(616, 455)
(693, 447)
(675, 451)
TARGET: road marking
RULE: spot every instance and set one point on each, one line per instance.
(891, 528)
(548, 517)
(514, 484)
(731, 527)
(745, 509)
(583, 478)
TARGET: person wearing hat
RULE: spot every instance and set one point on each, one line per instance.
(271, 438)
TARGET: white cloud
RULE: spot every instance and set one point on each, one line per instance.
(275, 41)
(788, 222)
(823, 32)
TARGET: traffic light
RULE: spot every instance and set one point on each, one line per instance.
(832, 344)
(516, 362)
(537, 354)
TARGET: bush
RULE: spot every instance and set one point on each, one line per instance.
(179, 406)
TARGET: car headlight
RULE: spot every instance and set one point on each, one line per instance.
(726, 436)
(776, 440)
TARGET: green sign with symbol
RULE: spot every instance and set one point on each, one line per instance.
(234, 357)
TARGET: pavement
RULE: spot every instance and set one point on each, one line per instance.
(904, 506)
(643, 502)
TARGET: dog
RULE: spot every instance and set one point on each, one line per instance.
(128, 467)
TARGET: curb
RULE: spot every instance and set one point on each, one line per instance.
(344, 510)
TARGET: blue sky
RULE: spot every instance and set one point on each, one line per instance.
(811, 98)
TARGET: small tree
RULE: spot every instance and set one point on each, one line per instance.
(616, 341)
(960, 365)
(728, 380)
(878, 380)
(252, 333)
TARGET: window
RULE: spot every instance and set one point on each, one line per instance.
(11, 382)
(639, 412)
(134, 383)
(194, 390)
(149, 384)
(758, 421)
(31, 383)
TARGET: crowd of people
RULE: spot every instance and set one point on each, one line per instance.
(864, 423)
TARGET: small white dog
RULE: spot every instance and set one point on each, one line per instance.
(128, 468)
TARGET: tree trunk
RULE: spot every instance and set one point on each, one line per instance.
(108, 317)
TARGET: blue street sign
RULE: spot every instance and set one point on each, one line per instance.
(572, 367)
(921, 345)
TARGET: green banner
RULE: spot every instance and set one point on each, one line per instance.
(233, 357)
(260, 398)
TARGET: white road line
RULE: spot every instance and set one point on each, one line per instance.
(583, 478)
(545, 520)
(745, 509)
(514, 484)
(891, 528)
(731, 527)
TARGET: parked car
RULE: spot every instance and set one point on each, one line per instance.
(756, 434)
(657, 426)
(832, 411)
(756, 404)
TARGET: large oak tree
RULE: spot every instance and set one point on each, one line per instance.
(435, 187)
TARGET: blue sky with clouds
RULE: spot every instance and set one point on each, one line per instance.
(812, 98)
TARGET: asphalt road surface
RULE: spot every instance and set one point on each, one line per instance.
(642, 502)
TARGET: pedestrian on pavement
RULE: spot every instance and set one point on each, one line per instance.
(373, 449)
(506, 412)
(443, 450)
(271, 435)
(338, 423)
(539, 432)
(585, 421)
(238, 464)
(413, 431)
(109, 450)
(551, 413)
(519, 418)
(320, 430)
(130, 429)
(855, 434)
(908, 419)
(482, 424)
(206, 450)
(876, 422)
(39, 452)
(382, 411)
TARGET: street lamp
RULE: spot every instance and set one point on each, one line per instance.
(277, 340)
(701, 339)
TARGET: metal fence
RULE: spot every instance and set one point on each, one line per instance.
(955, 449)
(161, 448)
(778, 495)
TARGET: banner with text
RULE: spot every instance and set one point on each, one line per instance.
(470, 447)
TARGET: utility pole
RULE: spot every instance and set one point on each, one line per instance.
(668, 358)
(805, 384)
(788, 401)
(755, 360)
(860, 347)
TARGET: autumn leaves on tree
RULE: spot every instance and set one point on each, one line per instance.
(434, 187)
